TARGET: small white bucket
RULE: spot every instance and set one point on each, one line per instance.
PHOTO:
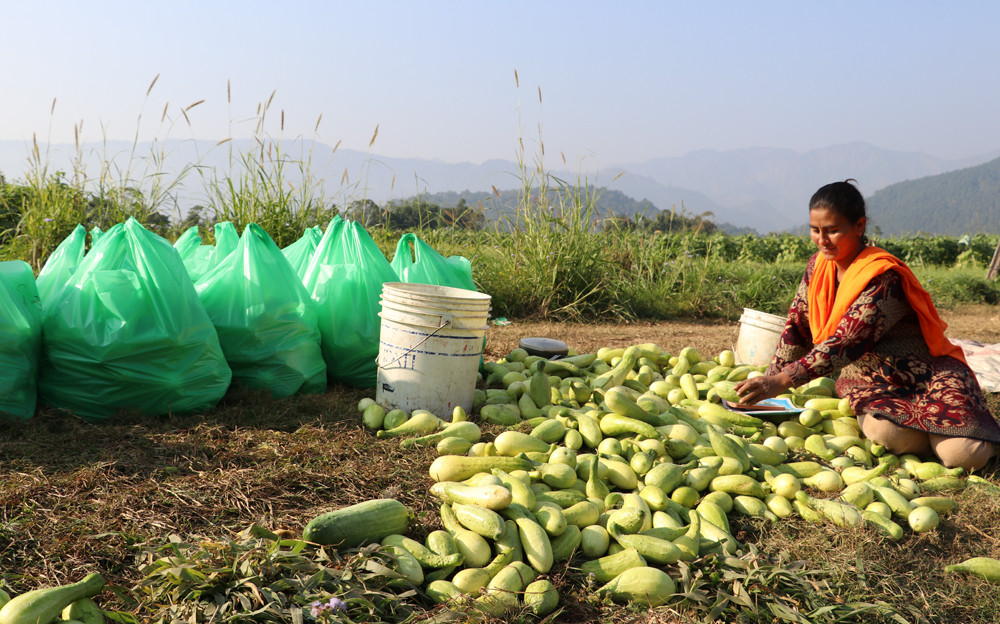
(430, 345)
(759, 333)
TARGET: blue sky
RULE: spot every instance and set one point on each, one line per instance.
(620, 82)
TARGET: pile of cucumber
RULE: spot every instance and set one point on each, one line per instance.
(625, 462)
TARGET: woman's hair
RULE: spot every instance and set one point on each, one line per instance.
(843, 198)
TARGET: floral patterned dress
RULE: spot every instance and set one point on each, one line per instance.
(885, 367)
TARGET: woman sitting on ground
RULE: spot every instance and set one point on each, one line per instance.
(860, 311)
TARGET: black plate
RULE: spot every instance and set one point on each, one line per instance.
(544, 347)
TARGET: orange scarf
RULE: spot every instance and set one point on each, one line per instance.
(828, 303)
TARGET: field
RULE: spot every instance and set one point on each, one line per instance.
(197, 517)
(116, 497)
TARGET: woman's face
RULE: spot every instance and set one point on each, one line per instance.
(835, 236)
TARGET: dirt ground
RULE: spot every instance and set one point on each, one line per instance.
(981, 322)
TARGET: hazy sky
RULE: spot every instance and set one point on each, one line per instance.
(620, 82)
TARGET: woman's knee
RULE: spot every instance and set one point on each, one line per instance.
(896, 439)
(967, 453)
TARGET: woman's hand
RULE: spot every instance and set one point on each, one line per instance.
(763, 387)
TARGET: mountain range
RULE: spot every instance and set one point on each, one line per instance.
(765, 189)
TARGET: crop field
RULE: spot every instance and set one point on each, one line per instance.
(201, 516)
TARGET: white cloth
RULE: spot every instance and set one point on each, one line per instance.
(984, 360)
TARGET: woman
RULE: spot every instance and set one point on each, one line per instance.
(860, 311)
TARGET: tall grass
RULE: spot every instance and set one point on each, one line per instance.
(267, 185)
(51, 202)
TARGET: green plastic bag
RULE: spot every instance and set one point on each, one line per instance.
(427, 266)
(128, 332)
(61, 264)
(265, 319)
(200, 259)
(345, 277)
(20, 340)
(301, 251)
(187, 242)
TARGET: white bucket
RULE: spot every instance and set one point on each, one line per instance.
(430, 345)
(759, 333)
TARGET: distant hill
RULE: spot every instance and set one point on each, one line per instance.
(502, 205)
(960, 202)
(763, 189)
(768, 188)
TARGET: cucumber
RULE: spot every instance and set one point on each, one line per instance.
(641, 585)
(520, 492)
(46, 604)
(841, 514)
(352, 526)
(373, 416)
(753, 507)
(502, 414)
(594, 541)
(442, 591)
(725, 446)
(541, 597)
(621, 475)
(563, 498)
(552, 519)
(608, 567)
(714, 410)
(462, 429)
(420, 423)
(406, 564)
(986, 568)
(898, 503)
(473, 547)
(513, 443)
(460, 468)
(665, 475)
(653, 549)
(550, 431)
(940, 504)
(566, 543)
(426, 557)
(737, 485)
(493, 497)
(614, 425)
(84, 610)
(471, 580)
(884, 525)
(557, 476)
(485, 522)
(582, 514)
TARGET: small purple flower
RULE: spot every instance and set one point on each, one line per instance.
(48, 219)
(336, 604)
(317, 608)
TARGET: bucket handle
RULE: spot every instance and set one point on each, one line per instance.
(445, 322)
(732, 342)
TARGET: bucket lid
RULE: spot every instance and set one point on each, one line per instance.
(544, 347)
(430, 292)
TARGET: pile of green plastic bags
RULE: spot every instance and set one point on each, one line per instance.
(137, 324)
